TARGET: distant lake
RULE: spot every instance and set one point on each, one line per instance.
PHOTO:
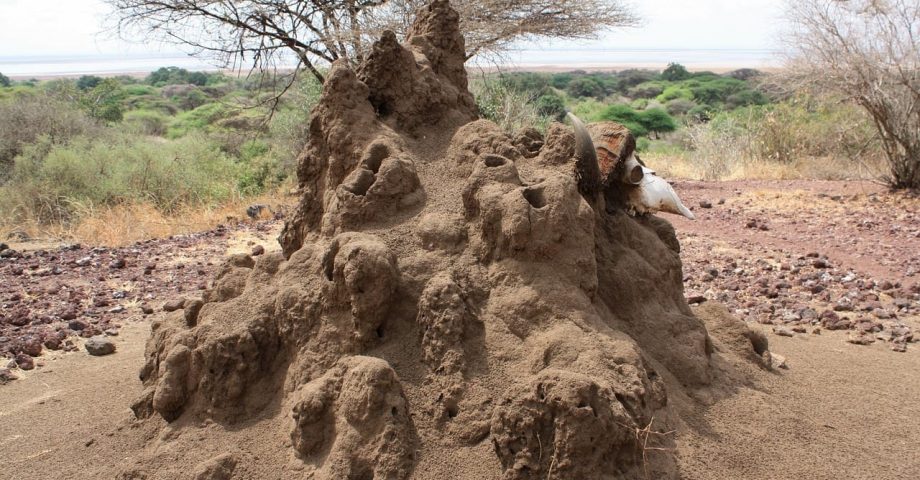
(53, 66)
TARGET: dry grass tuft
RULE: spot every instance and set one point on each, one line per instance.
(120, 225)
(729, 166)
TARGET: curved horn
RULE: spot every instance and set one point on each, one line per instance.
(586, 168)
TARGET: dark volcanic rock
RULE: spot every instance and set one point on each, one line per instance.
(24, 361)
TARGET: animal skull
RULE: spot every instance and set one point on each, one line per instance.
(646, 192)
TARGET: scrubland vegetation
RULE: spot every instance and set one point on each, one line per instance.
(699, 124)
(175, 148)
(123, 158)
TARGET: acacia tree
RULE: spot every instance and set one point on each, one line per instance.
(265, 33)
(869, 52)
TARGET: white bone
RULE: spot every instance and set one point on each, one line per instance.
(655, 194)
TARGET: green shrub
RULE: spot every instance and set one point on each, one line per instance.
(647, 89)
(198, 119)
(701, 113)
(147, 122)
(675, 73)
(679, 106)
(537, 83)
(27, 116)
(626, 116)
(138, 90)
(632, 77)
(561, 80)
(640, 123)
(191, 99)
(552, 106)
(745, 98)
(589, 109)
(585, 87)
(52, 183)
(788, 132)
(674, 92)
(639, 103)
(507, 107)
(5, 81)
(657, 120)
(177, 76)
(87, 82)
(643, 144)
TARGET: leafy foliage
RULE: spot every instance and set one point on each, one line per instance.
(675, 73)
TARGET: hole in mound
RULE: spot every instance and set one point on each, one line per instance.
(329, 260)
(535, 197)
(380, 332)
(452, 411)
(377, 154)
(394, 412)
(759, 342)
(381, 107)
(362, 182)
(494, 160)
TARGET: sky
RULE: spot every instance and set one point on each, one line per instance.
(77, 28)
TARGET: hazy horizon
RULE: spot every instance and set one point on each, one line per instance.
(716, 33)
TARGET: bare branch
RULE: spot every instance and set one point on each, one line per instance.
(866, 51)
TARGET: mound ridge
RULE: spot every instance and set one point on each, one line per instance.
(449, 303)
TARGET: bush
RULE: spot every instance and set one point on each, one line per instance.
(744, 74)
(54, 183)
(787, 132)
(640, 123)
(745, 98)
(647, 89)
(177, 76)
(138, 90)
(585, 87)
(198, 119)
(701, 113)
(675, 73)
(632, 77)
(536, 83)
(679, 106)
(674, 92)
(657, 120)
(643, 144)
(628, 117)
(147, 122)
(87, 82)
(640, 103)
(24, 118)
(5, 81)
(561, 80)
(508, 108)
(589, 109)
(552, 106)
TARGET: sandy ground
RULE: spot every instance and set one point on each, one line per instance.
(839, 411)
(50, 419)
